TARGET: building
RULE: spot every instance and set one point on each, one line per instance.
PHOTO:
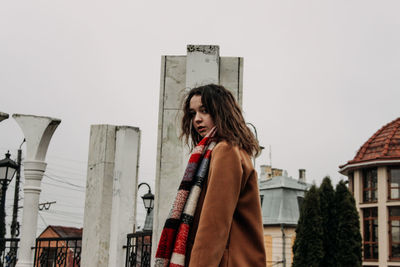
(374, 180)
(281, 197)
(59, 246)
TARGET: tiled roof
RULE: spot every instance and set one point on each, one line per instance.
(383, 145)
(64, 231)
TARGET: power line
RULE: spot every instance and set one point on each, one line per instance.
(60, 186)
(64, 182)
(67, 174)
(73, 160)
(41, 217)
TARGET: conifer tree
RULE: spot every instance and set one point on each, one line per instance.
(348, 248)
(308, 246)
(329, 222)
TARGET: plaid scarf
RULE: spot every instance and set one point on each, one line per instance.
(173, 241)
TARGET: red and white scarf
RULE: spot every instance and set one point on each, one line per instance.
(171, 249)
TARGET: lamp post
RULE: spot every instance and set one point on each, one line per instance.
(255, 133)
(148, 201)
(7, 170)
(14, 223)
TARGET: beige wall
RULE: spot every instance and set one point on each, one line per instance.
(268, 249)
(383, 217)
(274, 245)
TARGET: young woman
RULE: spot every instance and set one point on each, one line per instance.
(216, 217)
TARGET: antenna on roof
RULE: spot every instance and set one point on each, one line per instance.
(270, 155)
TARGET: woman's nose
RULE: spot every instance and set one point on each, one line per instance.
(197, 117)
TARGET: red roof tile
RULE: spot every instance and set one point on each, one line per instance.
(64, 231)
(383, 145)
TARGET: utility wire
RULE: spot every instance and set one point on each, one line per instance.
(63, 181)
(60, 186)
(73, 160)
(41, 217)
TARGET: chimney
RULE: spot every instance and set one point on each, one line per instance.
(266, 172)
(302, 175)
(276, 172)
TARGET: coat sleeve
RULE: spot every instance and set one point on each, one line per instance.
(223, 190)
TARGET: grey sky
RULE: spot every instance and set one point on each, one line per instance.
(320, 77)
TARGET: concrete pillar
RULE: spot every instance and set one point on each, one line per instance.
(383, 217)
(358, 194)
(3, 116)
(201, 65)
(38, 132)
(110, 204)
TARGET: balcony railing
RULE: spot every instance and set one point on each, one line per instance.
(58, 252)
(138, 249)
(8, 257)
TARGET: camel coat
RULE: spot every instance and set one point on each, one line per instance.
(227, 227)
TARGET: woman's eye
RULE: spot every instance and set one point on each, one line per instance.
(204, 110)
(191, 113)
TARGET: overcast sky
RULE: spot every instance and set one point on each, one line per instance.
(320, 77)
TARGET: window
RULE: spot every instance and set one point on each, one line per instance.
(370, 185)
(370, 240)
(300, 201)
(394, 183)
(394, 233)
(261, 199)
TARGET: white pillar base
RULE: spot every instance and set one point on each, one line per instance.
(24, 264)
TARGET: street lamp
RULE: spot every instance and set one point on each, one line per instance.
(148, 198)
(148, 201)
(8, 168)
(255, 133)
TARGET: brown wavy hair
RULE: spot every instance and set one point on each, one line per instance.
(227, 117)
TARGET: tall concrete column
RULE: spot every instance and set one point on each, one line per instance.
(38, 132)
(3, 116)
(201, 65)
(110, 204)
(383, 216)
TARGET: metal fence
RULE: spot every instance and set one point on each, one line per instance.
(138, 249)
(58, 252)
(8, 257)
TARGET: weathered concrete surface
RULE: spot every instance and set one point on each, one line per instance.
(38, 132)
(201, 66)
(110, 203)
(123, 211)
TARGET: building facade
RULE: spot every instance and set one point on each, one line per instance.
(281, 197)
(374, 180)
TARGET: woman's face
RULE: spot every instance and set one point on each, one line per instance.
(201, 119)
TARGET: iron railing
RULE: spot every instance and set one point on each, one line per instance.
(58, 252)
(8, 257)
(138, 249)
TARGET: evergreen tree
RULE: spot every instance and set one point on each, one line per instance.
(348, 248)
(329, 222)
(308, 246)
